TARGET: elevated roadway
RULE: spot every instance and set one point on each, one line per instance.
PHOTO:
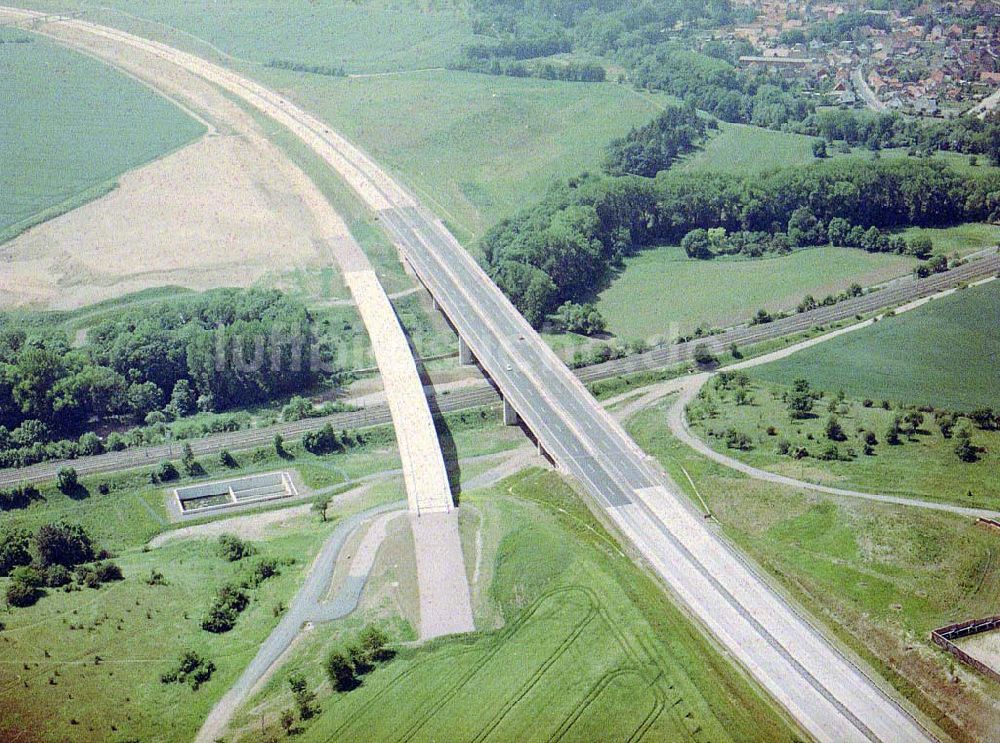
(830, 696)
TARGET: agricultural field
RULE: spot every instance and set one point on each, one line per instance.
(923, 464)
(475, 147)
(662, 292)
(586, 647)
(880, 576)
(943, 354)
(60, 108)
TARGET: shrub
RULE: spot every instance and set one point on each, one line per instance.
(738, 440)
(14, 550)
(227, 460)
(323, 441)
(230, 601)
(67, 480)
(22, 594)
(63, 544)
(233, 549)
(703, 356)
(191, 669)
(57, 576)
(108, 571)
(164, 472)
(374, 642)
(341, 671)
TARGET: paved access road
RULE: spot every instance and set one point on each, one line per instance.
(829, 696)
(307, 606)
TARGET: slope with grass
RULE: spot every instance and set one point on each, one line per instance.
(923, 464)
(375, 36)
(943, 354)
(85, 665)
(71, 126)
(880, 576)
(590, 649)
(475, 147)
(662, 292)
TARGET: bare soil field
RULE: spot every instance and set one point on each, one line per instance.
(229, 210)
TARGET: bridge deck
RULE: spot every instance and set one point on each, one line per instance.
(424, 471)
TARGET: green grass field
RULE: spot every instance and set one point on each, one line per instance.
(662, 292)
(86, 665)
(881, 577)
(739, 148)
(961, 239)
(476, 147)
(924, 465)
(71, 126)
(590, 649)
(942, 354)
(375, 36)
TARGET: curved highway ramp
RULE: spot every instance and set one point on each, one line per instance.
(829, 695)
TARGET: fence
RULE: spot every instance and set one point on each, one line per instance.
(943, 637)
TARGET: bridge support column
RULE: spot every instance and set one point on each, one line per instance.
(434, 304)
(510, 417)
(465, 357)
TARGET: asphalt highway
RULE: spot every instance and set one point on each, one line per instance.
(827, 693)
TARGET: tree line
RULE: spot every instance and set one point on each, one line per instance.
(213, 351)
(564, 247)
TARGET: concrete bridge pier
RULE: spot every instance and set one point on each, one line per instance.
(510, 417)
(465, 357)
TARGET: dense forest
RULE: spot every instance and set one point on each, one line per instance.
(563, 247)
(204, 353)
(654, 147)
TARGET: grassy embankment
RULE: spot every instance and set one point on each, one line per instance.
(72, 125)
(589, 647)
(880, 576)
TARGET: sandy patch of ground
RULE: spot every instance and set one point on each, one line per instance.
(984, 647)
(228, 210)
(251, 526)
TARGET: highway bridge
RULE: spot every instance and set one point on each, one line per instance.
(897, 293)
(828, 694)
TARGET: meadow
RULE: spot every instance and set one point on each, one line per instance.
(589, 649)
(376, 36)
(72, 126)
(923, 465)
(662, 292)
(740, 148)
(880, 577)
(960, 239)
(61, 655)
(475, 147)
(942, 354)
